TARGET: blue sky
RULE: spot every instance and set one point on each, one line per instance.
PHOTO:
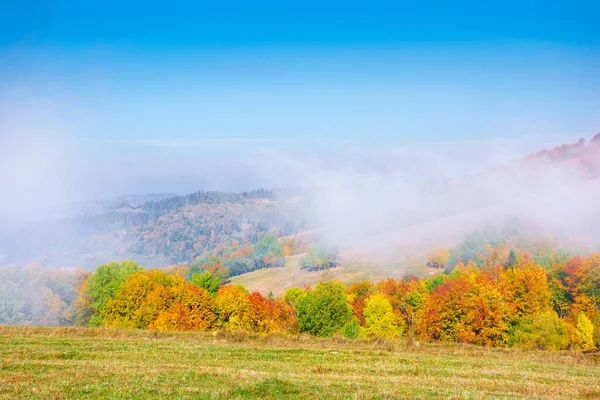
(393, 71)
(193, 79)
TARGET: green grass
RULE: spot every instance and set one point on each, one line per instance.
(99, 363)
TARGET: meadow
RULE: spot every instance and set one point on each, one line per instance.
(69, 362)
(277, 280)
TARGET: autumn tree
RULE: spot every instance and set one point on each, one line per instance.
(191, 309)
(358, 293)
(525, 288)
(584, 333)
(380, 320)
(101, 286)
(260, 316)
(265, 315)
(156, 300)
(469, 308)
(231, 305)
(219, 271)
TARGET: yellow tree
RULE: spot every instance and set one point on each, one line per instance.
(138, 301)
(526, 288)
(585, 333)
(231, 304)
(380, 320)
(192, 309)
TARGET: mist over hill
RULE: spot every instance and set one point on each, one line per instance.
(370, 210)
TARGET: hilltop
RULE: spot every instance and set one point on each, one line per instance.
(581, 156)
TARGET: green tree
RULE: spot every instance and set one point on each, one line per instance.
(104, 283)
(294, 295)
(318, 258)
(352, 329)
(324, 310)
(544, 331)
(211, 283)
(268, 246)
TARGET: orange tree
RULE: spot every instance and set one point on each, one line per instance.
(469, 308)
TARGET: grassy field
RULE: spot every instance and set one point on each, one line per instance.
(391, 254)
(276, 280)
(96, 363)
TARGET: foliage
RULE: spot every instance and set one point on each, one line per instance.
(103, 285)
(585, 333)
(324, 310)
(476, 246)
(294, 295)
(32, 295)
(352, 329)
(231, 305)
(156, 300)
(357, 294)
(512, 259)
(267, 316)
(160, 230)
(235, 260)
(544, 331)
(207, 281)
(467, 309)
(319, 258)
(380, 321)
(497, 303)
(269, 246)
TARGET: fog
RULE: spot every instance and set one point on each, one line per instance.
(359, 190)
(372, 201)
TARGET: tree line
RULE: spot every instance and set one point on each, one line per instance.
(493, 305)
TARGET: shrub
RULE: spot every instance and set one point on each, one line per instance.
(544, 331)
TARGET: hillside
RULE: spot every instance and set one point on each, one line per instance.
(399, 252)
(581, 156)
(159, 230)
(167, 231)
(277, 280)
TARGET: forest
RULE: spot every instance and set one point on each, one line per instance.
(172, 230)
(504, 298)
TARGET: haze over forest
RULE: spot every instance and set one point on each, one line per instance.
(361, 198)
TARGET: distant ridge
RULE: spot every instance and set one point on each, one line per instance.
(582, 156)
